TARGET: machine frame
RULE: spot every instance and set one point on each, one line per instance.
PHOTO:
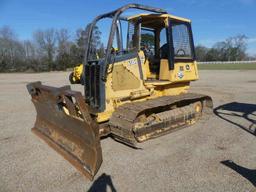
(99, 106)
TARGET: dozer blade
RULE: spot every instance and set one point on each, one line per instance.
(64, 123)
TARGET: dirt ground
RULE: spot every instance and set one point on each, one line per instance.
(217, 155)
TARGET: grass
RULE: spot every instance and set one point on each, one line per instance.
(244, 66)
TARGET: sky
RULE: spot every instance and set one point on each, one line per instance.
(212, 20)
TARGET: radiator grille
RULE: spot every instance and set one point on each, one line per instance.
(94, 86)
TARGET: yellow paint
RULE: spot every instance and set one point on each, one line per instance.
(164, 70)
(77, 71)
(159, 15)
(123, 79)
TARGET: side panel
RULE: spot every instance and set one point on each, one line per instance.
(124, 82)
(123, 79)
(183, 71)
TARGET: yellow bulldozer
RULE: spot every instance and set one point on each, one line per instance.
(135, 87)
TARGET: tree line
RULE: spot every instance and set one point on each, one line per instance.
(48, 50)
(231, 49)
(53, 49)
